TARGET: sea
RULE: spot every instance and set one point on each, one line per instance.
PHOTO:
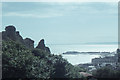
(76, 59)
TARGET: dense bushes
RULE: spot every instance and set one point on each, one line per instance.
(107, 72)
(20, 62)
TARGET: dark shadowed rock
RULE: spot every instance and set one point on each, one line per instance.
(4, 35)
(11, 32)
(19, 37)
(47, 49)
(41, 45)
(29, 43)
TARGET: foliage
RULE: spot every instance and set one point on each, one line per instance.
(107, 72)
(20, 62)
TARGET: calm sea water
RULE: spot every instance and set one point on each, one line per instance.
(81, 58)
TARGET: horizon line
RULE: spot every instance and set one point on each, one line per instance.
(88, 43)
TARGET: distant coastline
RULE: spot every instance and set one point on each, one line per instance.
(76, 52)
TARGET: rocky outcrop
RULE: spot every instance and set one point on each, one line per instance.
(19, 37)
(10, 33)
(47, 49)
(29, 43)
(41, 45)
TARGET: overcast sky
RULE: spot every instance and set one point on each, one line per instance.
(59, 0)
(63, 23)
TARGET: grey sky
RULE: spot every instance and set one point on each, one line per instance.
(63, 23)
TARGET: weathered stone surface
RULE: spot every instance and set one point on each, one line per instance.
(29, 43)
(19, 37)
(11, 32)
(47, 49)
(4, 35)
(42, 46)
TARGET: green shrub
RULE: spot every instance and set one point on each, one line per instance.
(20, 62)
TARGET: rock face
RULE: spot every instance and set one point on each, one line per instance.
(19, 37)
(29, 43)
(42, 46)
(10, 33)
(47, 49)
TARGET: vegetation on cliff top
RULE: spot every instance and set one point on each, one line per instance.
(19, 61)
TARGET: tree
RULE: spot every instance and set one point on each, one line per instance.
(21, 62)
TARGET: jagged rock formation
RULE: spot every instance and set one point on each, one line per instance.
(19, 37)
(47, 49)
(42, 46)
(29, 43)
(10, 33)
